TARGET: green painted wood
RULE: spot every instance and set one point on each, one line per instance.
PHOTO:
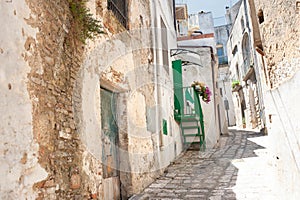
(178, 94)
(109, 133)
(183, 96)
(197, 117)
(165, 127)
(190, 127)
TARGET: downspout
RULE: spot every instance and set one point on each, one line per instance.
(174, 14)
(154, 44)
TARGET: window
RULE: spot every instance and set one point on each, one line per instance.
(237, 71)
(242, 23)
(165, 50)
(119, 8)
(220, 51)
(235, 49)
(246, 53)
(260, 16)
(221, 57)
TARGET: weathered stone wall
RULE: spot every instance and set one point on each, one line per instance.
(42, 38)
(123, 62)
(242, 58)
(55, 57)
(53, 149)
(280, 32)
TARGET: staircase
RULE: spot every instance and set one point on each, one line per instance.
(189, 115)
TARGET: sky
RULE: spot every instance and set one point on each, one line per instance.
(217, 7)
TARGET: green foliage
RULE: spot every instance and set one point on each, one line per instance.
(235, 83)
(86, 27)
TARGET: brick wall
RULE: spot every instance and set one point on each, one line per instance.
(55, 57)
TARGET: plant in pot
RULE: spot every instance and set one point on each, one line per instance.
(202, 90)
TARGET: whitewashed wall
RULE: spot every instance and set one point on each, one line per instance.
(19, 165)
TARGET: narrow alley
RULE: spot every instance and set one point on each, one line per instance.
(235, 170)
(100, 99)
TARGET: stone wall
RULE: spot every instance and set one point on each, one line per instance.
(280, 32)
(53, 136)
(55, 57)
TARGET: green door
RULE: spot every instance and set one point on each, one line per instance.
(110, 156)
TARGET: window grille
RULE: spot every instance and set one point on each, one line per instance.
(119, 8)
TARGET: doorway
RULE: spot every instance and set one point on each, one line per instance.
(110, 141)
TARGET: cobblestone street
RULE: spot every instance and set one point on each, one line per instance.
(238, 169)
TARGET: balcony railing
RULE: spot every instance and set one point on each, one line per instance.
(188, 102)
(119, 8)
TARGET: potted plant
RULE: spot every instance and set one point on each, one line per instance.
(235, 83)
(202, 90)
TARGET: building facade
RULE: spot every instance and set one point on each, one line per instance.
(203, 67)
(224, 81)
(90, 120)
(245, 73)
(276, 40)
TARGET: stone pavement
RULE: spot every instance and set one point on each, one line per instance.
(231, 171)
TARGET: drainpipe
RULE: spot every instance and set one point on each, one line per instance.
(174, 14)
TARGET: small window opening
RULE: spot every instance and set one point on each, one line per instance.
(260, 16)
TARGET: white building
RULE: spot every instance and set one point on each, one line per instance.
(244, 71)
(203, 67)
(224, 81)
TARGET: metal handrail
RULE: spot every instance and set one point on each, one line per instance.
(190, 105)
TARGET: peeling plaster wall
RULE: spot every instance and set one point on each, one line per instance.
(283, 130)
(123, 62)
(19, 149)
(170, 145)
(53, 148)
